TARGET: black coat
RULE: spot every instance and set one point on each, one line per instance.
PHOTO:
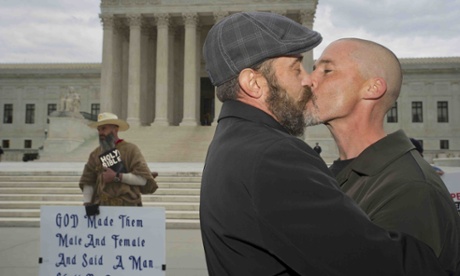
(269, 206)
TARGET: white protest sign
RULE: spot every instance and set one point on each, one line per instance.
(118, 241)
(452, 181)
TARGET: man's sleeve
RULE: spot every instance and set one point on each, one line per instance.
(137, 164)
(407, 208)
(89, 175)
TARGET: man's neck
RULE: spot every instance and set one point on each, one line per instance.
(352, 140)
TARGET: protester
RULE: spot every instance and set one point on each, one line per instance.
(116, 171)
(269, 204)
(354, 84)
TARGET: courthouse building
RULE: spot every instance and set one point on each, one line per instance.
(152, 75)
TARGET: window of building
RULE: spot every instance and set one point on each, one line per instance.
(30, 113)
(27, 144)
(51, 109)
(8, 114)
(417, 112)
(392, 115)
(6, 144)
(443, 112)
(95, 109)
(444, 144)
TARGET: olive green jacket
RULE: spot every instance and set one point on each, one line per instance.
(400, 191)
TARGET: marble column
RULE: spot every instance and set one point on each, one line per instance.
(162, 71)
(218, 16)
(173, 87)
(306, 19)
(122, 100)
(191, 93)
(151, 72)
(134, 70)
(107, 67)
(145, 75)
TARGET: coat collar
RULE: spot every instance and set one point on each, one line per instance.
(247, 112)
(378, 155)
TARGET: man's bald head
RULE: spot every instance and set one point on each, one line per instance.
(376, 60)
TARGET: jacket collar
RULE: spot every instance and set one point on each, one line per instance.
(247, 112)
(378, 155)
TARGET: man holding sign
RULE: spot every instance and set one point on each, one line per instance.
(116, 172)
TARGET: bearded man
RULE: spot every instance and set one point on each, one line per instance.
(116, 170)
(268, 204)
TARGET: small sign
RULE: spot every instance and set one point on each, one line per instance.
(452, 181)
(118, 241)
(112, 159)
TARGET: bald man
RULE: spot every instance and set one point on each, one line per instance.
(354, 84)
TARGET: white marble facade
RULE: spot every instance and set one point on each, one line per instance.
(152, 69)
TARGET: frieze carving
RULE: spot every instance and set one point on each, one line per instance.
(134, 20)
(190, 18)
(111, 3)
(162, 19)
(107, 21)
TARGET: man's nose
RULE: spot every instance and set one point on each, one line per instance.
(306, 79)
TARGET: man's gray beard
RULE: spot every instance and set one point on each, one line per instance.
(311, 119)
(289, 113)
(108, 143)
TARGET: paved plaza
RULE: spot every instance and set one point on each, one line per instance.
(20, 250)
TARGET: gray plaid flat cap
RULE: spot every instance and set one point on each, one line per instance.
(245, 39)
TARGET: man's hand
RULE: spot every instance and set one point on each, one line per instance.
(108, 175)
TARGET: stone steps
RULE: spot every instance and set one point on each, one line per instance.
(23, 193)
(75, 185)
(35, 213)
(72, 190)
(180, 206)
(167, 180)
(157, 143)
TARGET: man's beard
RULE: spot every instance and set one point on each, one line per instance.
(290, 114)
(108, 143)
(311, 115)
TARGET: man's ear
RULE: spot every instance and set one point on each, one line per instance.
(250, 83)
(376, 88)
